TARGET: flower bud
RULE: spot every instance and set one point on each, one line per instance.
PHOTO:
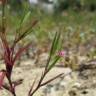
(61, 53)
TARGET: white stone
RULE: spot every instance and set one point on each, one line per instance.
(33, 1)
(77, 85)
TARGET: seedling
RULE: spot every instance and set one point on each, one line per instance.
(10, 55)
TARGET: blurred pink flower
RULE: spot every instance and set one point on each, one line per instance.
(2, 75)
(61, 53)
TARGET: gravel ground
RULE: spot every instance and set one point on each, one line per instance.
(68, 85)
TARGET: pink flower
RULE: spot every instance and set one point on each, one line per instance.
(2, 75)
(61, 53)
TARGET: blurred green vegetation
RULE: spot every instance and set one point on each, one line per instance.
(60, 5)
(78, 28)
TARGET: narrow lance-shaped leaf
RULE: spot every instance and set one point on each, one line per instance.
(5, 44)
(56, 43)
(26, 32)
(53, 43)
(18, 32)
(46, 82)
(7, 51)
(24, 20)
(15, 83)
(20, 51)
(26, 17)
(53, 47)
(53, 63)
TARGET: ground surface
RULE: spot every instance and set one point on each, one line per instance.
(70, 85)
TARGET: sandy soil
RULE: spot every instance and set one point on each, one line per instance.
(69, 85)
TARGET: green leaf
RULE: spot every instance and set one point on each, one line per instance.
(55, 43)
(23, 20)
(54, 48)
(27, 31)
(53, 63)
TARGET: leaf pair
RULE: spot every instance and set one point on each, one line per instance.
(54, 48)
(21, 35)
